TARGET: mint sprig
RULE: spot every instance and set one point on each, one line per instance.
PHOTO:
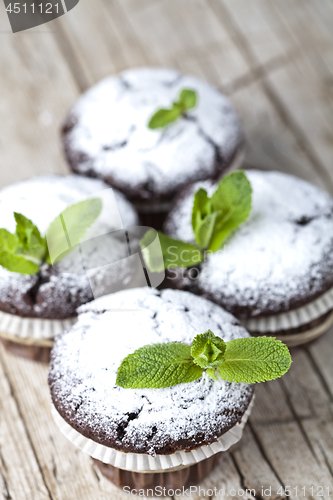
(213, 220)
(26, 250)
(163, 117)
(248, 360)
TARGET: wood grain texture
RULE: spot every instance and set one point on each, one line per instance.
(274, 60)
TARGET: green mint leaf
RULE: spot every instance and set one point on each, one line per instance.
(158, 366)
(32, 245)
(68, 229)
(233, 199)
(200, 208)
(175, 253)
(255, 359)
(208, 350)
(164, 117)
(205, 229)
(9, 260)
(8, 241)
(17, 264)
(27, 232)
(188, 98)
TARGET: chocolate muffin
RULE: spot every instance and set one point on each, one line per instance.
(275, 271)
(33, 308)
(143, 430)
(106, 135)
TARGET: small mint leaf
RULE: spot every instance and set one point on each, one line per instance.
(188, 98)
(164, 117)
(171, 253)
(255, 359)
(204, 231)
(233, 199)
(158, 366)
(17, 264)
(8, 241)
(68, 229)
(200, 208)
(32, 245)
(9, 245)
(208, 350)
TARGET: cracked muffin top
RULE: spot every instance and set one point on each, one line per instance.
(56, 291)
(280, 259)
(106, 134)
(85, 359)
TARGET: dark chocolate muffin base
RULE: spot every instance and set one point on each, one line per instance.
(170, 480)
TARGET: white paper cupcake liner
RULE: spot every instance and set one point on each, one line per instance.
(140, 462)
(32, 330)
(291, 319)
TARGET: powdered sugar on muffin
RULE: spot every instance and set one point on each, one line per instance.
(85, 360)
(56, 292)
(281, 258)
(107, 134)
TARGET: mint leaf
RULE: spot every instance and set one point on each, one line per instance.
(158, 366)
(17, 264)
(68, 229)
(233, 199)
(205, 229)
(208, 350)
(199, 210)
(175, 253)
(9, 260)
(163, 117)
(188, 98)
(254, 360)
(246, 360)
(32, 245)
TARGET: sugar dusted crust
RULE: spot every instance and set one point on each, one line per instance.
(154, 421)
(106, 134)
(280, 259)
(55, 293)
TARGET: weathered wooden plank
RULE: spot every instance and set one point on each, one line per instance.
(256, 472)
(188, 34)
(301, 90)
(20, 474)
(292, 459)
(321, 352)
(68, 472)
(107, 37)
(36, 91)
(270, 144)
(263, 29)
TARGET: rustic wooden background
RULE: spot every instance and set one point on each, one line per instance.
(275, 61)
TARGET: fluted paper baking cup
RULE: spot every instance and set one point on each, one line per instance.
(32, 330)
(140, 462)
(291, 319)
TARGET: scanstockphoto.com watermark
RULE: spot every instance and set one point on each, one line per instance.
(263, 492)
(161, 491)
(187, 263)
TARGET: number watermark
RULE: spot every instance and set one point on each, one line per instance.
(25, 15)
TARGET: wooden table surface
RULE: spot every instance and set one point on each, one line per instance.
(275, 61)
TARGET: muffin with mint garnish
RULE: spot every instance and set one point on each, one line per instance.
(269, 262)
(150, 131)
(38, 300)
(155, 384)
